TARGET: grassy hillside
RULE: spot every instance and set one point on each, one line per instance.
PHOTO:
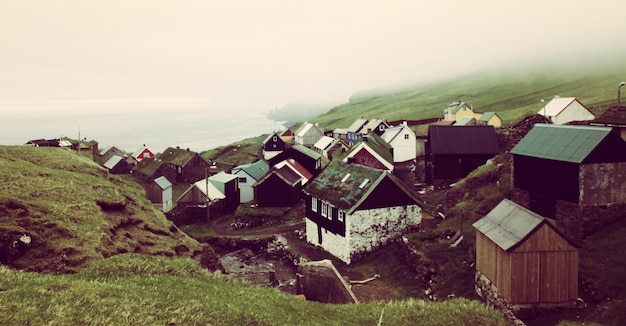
(511, 93)
(60, 211)
(135, 289)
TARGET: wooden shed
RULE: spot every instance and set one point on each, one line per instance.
(525, 257)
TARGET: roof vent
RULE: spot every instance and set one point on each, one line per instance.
(364, 183)
(345, 177)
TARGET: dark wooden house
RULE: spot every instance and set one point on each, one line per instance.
(452, 152)
(189, 165)
(312, 161)
(228, 185)
(352, 209)
(280, 187)
(525, 257)
(159, 192)
(118, 165)
(614, 116)
(151, 168)
(107, 153)
(273, 145)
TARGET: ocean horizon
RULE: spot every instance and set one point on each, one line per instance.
(198, 130)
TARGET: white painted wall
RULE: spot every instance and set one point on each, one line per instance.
(366, 230)
(404, 146)
(573, 112)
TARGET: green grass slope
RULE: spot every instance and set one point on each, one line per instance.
(135, 289)
(60, 211)
(512, 93)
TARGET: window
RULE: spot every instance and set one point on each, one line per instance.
(324, 209)
(314, 204)
(242, 179)
(341, 215)
(381, 127)
(274, 138)
(406, 136)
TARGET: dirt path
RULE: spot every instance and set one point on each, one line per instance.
(222, 227)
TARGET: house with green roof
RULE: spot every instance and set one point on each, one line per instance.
(352, 209)
(141, 153)
(189, 165)
(371, 151)
(567, 172)
(490, 119)
(247, 176)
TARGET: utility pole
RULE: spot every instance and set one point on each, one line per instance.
(619, 100)
(208, 199)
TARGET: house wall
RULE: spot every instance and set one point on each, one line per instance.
(366, 230)
(573, 112)
(543, 269)
(193, 171)
(404, 149)
(274, 192)
(602, 184)
(457, 166)
(166, 199)
(546, 178)
(246, 192)
(363, 157)
(495, 121)
(311, 137)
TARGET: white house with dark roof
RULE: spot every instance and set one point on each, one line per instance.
(403, 141)
(353, 209)
(561, 110)
(247, 176)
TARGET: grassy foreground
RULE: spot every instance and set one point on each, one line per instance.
(131, 289)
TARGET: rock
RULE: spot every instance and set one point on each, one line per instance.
(13, 244)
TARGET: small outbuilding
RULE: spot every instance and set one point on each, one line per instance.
(523, 259)
(159, 192)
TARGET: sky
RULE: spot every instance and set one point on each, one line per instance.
(146, 55)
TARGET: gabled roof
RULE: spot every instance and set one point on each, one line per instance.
(487, 116)
(112, 162)
(284, 173)
(561, 142)
(613, 116)
(140, 150)
(306, 151)
(357, 125)
(462, 140)
(557, 105)
(456, 106)
(508, 225)
(377, 146)
(305, 128)
(297, 168)
(163, 182)
(347, 186)
(147, 166)
(256, 170)
(177, 156)
(202, 185)
(287, 133)
(465, 121)
(223, 177)
(325, 142)
(372, 124)
(392, 133)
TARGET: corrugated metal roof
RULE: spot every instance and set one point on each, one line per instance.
(324, 142)
(465, 121)
(256, 170)
(463, 140)
(357, 125)
(560, 142)
(508, 224)
(222, 177)
(112, 162)
(163, 182)
(214, 193)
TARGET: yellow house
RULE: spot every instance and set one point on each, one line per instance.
(490, 119)
(458, 110)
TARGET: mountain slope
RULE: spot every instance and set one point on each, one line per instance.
(59, 212)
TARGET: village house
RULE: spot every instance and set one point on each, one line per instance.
(371, 151)
(614, 116)
(524, 260)
(312, 161)
(353, 209)
(452, 152)
(247, 175)
(280, 187)
(105, 154)
(151, 168)
(195, 199)
(458, 110)
(287, 136)
(56, 142)
(330, 147)
(159, 192)
(189, 165)
(466, 121)
(561, 110)
(297, 168)
(573, 174)
(118, 165)
(490, 119)
(228, 185)
(141, 153)
(308, 134)
(403, 141)
(273, 145)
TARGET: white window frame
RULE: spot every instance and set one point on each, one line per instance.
(341, 215)
(324, 209)
(314, 204)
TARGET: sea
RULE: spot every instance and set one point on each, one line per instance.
(196, 129)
